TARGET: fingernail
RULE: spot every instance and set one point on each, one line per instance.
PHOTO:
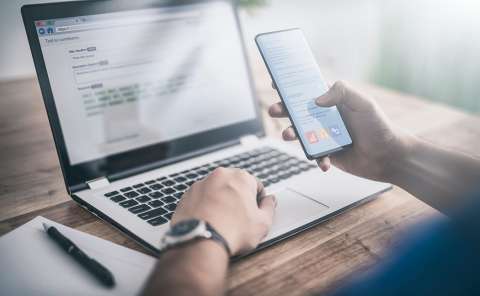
(270, 110)
(319, 100)
(274, 200)
(291, 133)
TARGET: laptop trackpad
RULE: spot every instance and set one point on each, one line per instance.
(293, 210)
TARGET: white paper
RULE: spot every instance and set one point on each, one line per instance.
(33, 264)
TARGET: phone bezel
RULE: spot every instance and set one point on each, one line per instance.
(309, 156)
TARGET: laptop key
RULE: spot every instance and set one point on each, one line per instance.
(128, 203)
(265, 149)
(168, 183)
(284, 176)
(131, 194)
(156, 186)
(171, 206)
(138, 185)
(202, 172)
(191, 176)
(273, 180)
(304, 167)
(212, 168)
(156, 194)
(139, 209)
(168, 191)
(180, 179)
(184, 172)
(168, 199)
(144, 190)
(110, 194)
(178, 195)
(296, 171)
(126, 189)
(143, 199)
(263, 176)
(181, 187)
(150, 182)
(118, 198)
(157, 221)
(168, 216)
(152, 214)
(156, 203)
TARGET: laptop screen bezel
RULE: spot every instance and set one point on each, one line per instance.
(145, 158)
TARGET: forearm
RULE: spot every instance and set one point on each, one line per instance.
(441, 178)
(196, 269)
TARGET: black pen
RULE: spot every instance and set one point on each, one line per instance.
(98, 270)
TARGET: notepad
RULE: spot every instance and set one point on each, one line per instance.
(32, 264)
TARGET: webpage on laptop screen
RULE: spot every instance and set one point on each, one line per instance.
(125, 80)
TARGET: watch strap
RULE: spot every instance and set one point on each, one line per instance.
(218, 238)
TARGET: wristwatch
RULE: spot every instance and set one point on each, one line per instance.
(191, 230)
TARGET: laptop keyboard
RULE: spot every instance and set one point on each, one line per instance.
(155, 201)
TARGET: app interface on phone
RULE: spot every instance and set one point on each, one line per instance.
(299, 82)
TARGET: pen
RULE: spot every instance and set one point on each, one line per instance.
(98, 270)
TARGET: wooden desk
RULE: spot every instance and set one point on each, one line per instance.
(31, 184)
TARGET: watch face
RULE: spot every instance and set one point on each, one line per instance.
(184, 227)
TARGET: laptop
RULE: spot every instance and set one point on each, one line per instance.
(146, 98)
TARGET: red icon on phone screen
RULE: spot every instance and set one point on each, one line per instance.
(311, 137)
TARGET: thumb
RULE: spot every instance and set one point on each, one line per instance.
(334, 96)
(267, 207)
(340, 94)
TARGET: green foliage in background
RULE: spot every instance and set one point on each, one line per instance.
(252, 3)
(433, 63)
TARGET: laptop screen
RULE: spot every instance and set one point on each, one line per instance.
(130, 79)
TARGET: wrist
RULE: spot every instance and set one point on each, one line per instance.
(189, 231)
(404, 147)
(202, 246)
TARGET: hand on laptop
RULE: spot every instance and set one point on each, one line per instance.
(234, 203)
(375, 142)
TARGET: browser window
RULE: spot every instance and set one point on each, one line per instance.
(126, 80)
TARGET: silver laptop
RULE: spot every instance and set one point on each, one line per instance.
(145, 99)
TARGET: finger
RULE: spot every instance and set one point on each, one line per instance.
(260, 188)
(277, 110)
(249, 181)
(267, 208)
(273, 85)
(324, 163)
(254, 183)
(339, 159)
(289, 134)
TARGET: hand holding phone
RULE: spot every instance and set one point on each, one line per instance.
(299, 82)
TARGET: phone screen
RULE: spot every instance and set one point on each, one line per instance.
(299, 82)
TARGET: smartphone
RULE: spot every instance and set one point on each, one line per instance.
(299, 82)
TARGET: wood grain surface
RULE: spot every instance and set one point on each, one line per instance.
(315, 260)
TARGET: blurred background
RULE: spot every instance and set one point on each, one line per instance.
(429, 48)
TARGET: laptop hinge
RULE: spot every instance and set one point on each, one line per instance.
(249, 140)
(98, 183)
